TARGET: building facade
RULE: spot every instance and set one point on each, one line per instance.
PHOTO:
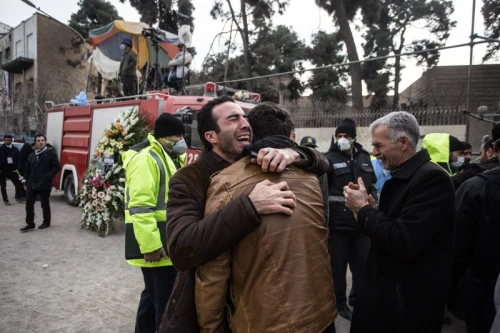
(447, 86)
(41, 60)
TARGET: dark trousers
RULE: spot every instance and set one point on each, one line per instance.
(172, 81)
(129, 85)
(478, 305)
(347, 247)
(14, 177)
(30, 206)
(159, 283)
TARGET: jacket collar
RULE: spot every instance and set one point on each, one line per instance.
(212, 161)
(408, 168)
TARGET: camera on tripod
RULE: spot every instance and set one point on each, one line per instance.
(153, 34)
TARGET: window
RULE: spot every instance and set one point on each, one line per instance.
(30, 52)
(19, 48)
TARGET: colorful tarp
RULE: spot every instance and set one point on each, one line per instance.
(108, 38)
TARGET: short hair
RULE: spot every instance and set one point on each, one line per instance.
(488, 145)
(206, 121)
(466, 145)
(495, 133)
(399, 123)
(39, 135)
(268, 119)
(7, 136)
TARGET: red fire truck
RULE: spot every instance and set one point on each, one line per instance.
(74, 131)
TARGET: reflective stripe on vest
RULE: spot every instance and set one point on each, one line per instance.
(336, 198)
(132, 249)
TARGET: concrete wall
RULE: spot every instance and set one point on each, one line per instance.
(19, 47)
(323, 136)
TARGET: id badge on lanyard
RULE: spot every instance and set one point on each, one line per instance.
(10, 160)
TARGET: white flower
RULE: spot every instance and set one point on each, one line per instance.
(121, 180)
(128, 136)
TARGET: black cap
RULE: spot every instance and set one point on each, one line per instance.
(455, 144)
(308, 141)
(127, 42)
(167, 125)
(347, 126)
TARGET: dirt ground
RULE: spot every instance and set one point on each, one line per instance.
(66, 280)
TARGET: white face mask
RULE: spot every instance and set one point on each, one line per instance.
(458, 163)
(344, 144)
(122, 46)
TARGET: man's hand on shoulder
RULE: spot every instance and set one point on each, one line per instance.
(155, 255)
(270, 198)
(276, 160)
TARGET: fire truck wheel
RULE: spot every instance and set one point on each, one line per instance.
(69, 191)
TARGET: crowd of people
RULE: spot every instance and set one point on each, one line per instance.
(257, 234)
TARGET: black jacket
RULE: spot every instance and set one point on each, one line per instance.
(408, 269)
(343, 170)
(194, 239)
(477, 232)
(25, 151)
(41, 169)
(4, 154)
(472, 170)
(128, 64)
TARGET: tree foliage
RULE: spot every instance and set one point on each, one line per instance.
(168, 14)
(388, 36)
(344, 11)
(491, 14)
(274, 50)
(92, 14)
(326, 83)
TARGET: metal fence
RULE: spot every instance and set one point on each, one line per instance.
(438, 116)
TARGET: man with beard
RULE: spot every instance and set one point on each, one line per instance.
(476, 244)
(259, 269)
(194, 239)
(488, 160)
(408, 269)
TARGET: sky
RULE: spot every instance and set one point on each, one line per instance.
(303, 16)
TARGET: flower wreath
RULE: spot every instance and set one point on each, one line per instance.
(103, 186)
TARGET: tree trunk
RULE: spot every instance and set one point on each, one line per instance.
(397, 78)
(352, 54)
(246, 43)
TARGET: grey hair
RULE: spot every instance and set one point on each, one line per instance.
(399, 124)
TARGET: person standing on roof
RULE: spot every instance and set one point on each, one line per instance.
(348, 242)
(178, 67)
(149, 167)
(127, 72)
(445, 150)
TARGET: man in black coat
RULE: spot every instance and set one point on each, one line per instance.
(348, 243)
(41, 167)
(25, 151)
(477, 245)
(9, 162)
(409, 266)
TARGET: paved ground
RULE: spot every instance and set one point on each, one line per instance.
(65, 279)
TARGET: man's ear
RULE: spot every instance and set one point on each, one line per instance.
(211, 137)
(405, 143)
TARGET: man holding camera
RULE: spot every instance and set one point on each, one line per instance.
(178, 68)
(128, 66)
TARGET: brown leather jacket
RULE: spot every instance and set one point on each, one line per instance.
(193, 239)
(279, 275)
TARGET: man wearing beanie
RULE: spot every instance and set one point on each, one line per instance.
(149, 167)
(348, 242)
(445, 150)
(127, 72)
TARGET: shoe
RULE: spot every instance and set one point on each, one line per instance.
(27, 227)
(43, 226)
(21, 200)
(7, 203)
(446, 320)
(344, 311)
